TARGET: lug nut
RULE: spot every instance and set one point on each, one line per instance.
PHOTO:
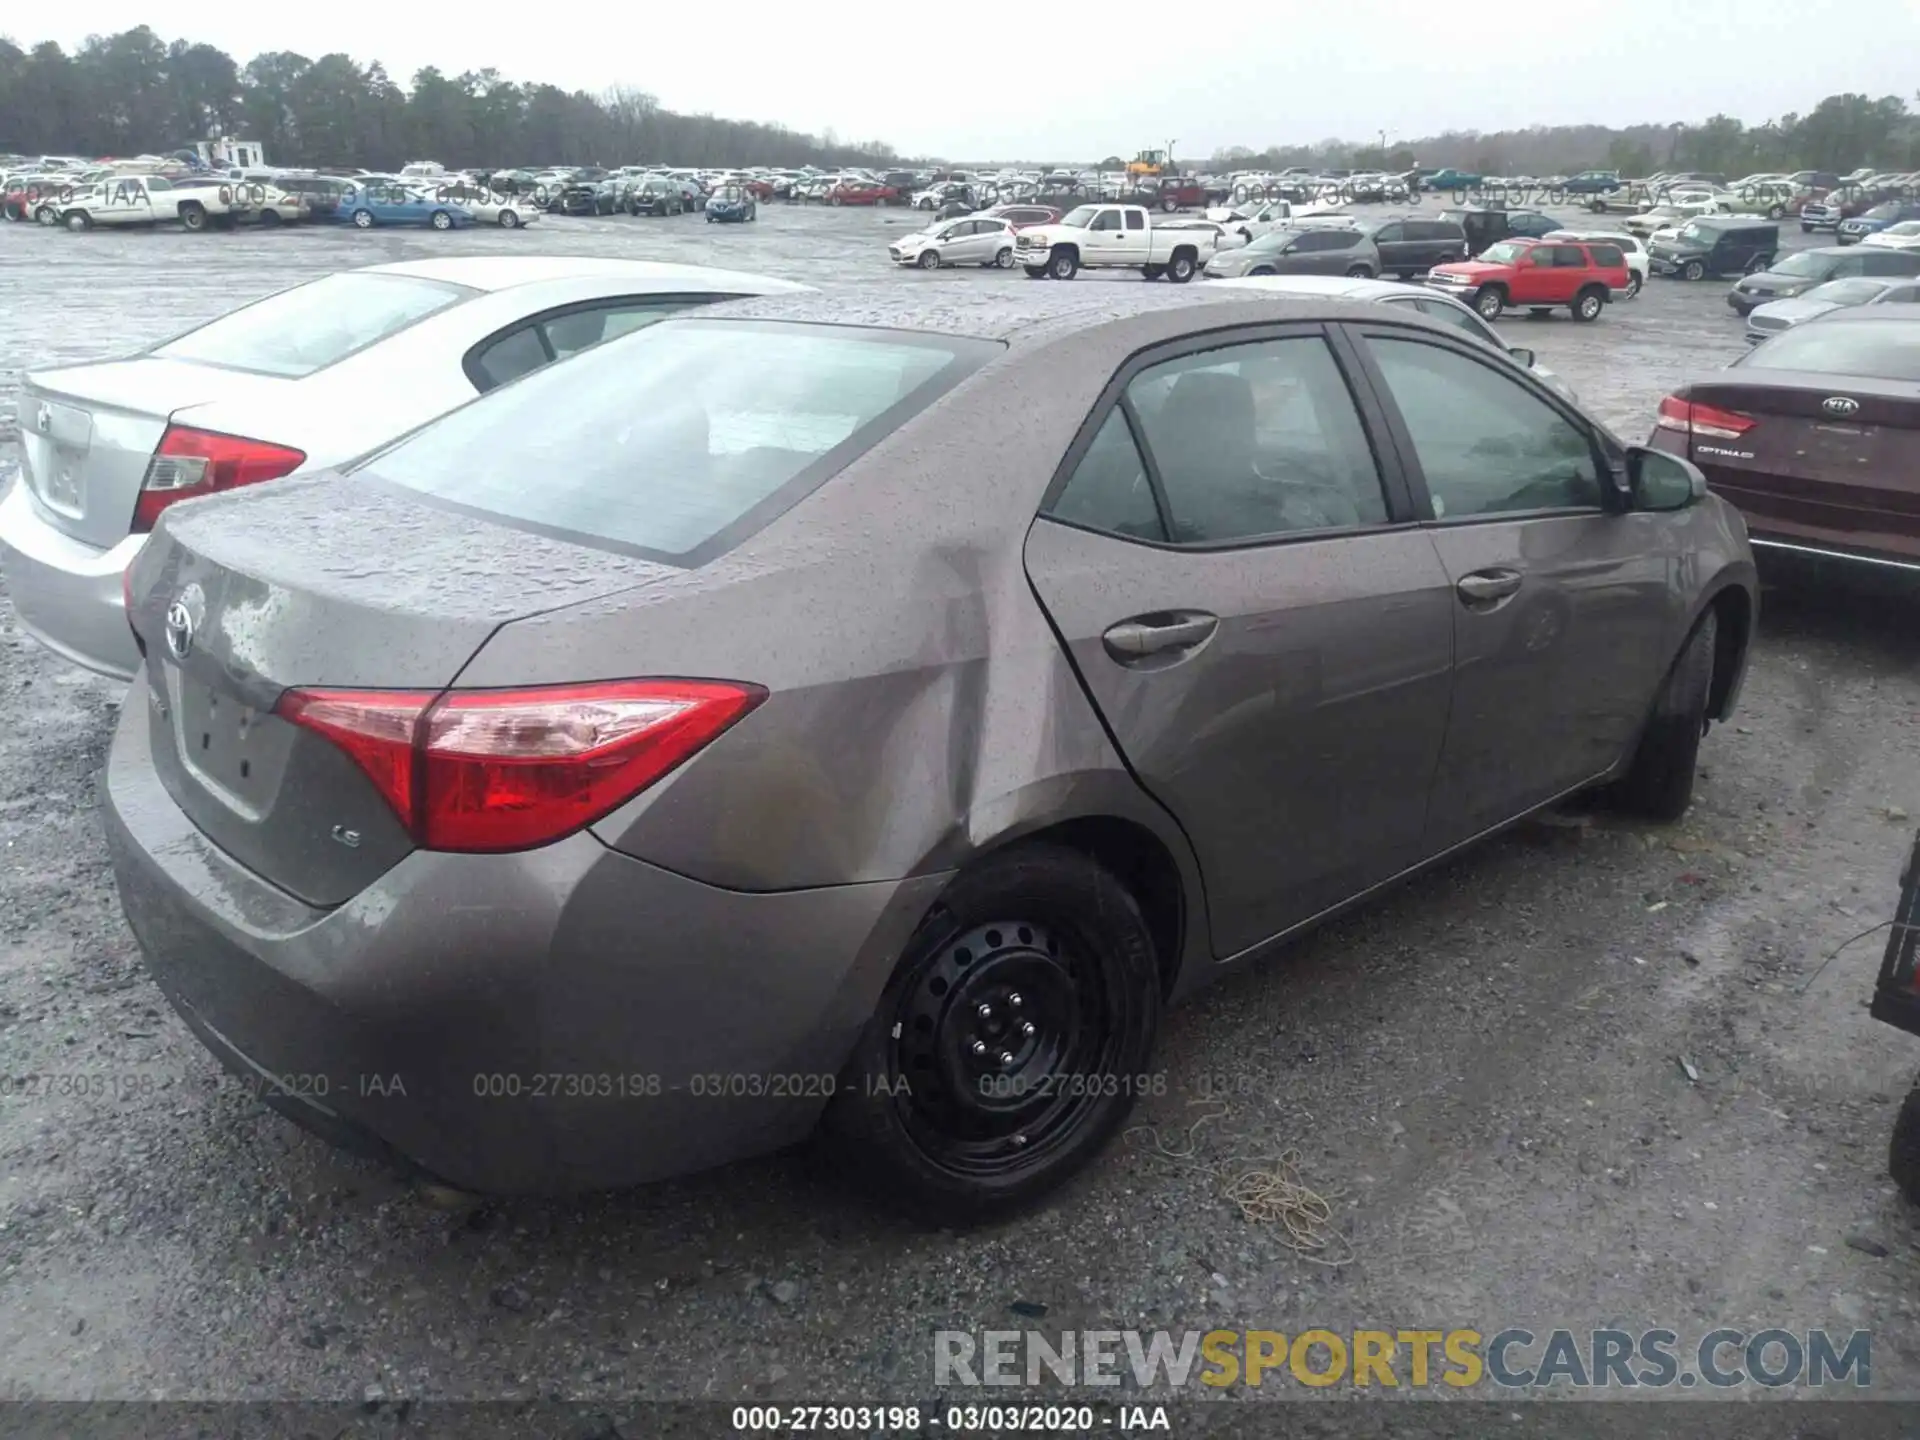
(1019, 1140)
(1026, 1027)
(1014, 999)
(979, 1047)
(985, 1012)
(1006, 1057)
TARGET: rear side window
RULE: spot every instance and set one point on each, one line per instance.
(1891, 262)
(682, 440)
(1109, 489)
(1257, 440)
(315, 325)
(1607, 255)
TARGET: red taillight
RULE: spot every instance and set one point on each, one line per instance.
(494, 770)
(1692, 418)
(193, 462)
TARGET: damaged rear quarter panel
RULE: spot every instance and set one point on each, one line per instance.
(920, 708)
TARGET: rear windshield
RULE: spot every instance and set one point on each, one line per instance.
(312, 326)
(680, 440)
(1889, 351)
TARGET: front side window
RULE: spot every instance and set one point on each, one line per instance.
(311, 326)
(1486, 444)
(1257, 440)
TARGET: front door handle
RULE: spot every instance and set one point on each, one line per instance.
(1483, 587)
(1158, 633)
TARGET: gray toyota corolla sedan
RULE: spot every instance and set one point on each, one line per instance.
(862, 712)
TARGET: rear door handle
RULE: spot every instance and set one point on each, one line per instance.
(1158, 633)
(1485, 586)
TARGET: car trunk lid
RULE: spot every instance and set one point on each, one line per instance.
(321, 582)
(1798, 470)
(88, 433)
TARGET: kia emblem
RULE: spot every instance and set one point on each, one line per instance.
(1840, 406)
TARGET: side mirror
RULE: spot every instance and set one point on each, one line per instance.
(1522, 354)
(1659, 481)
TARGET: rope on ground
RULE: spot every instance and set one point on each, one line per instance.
(1267, 1190)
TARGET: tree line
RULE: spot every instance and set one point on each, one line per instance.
(133, 93)
(1839, 134)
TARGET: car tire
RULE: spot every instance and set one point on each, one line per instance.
(1634, 283)
(1168, 205)
(193, 216)
(440, 220)
(1489, 301)
(1180, 269)
(47, 215)
(1776, 212)
(1359, 272)
(1588, 304)
(509, 219)
(363, 219)
(77, 220)
(1805, 229)
(1063, 264)
(269, 219)
(1036, 936)
(1035, 272)
(1693, 270)
(929, 260)
(1003, 258)
(1903, 1150)
(1759, 263)
(1658, 784)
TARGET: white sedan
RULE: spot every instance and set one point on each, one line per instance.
(1904, 236)
(300, 381)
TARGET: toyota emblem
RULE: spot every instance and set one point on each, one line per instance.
(1840, 406)
(183, 618)
(179, 630)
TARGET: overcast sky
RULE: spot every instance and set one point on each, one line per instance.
(1083, 81)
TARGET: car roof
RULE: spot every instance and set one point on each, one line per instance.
(508, 272)
(1873, 315)
(1345, 287)
(1025, 315)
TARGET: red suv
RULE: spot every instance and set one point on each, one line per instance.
(1538, 275)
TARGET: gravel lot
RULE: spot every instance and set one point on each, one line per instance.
(1484, 1071)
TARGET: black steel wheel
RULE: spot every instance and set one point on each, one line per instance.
(1009, 1044)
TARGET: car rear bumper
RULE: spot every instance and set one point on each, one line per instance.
(67, 594)
(565, 1019)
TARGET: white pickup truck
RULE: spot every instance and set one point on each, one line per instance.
(153, 200)
(1111, 237)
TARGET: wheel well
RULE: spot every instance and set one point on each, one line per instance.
(1186, 250)
(1060, 245)
(1135, 856)
(1733, 614)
